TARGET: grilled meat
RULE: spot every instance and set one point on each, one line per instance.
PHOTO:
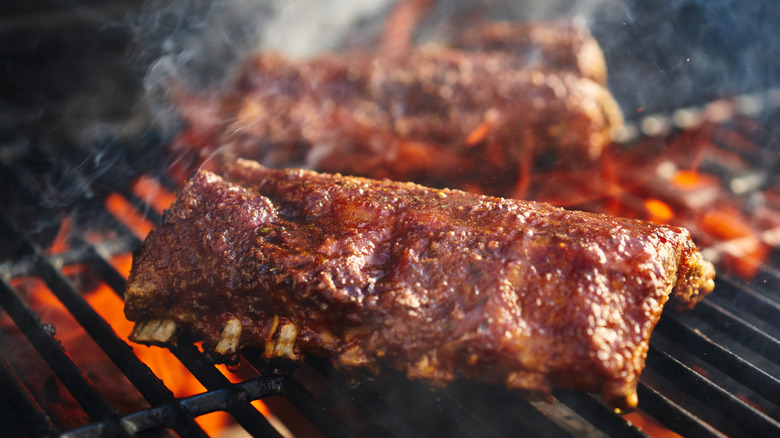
(435, 283)
(474, 115)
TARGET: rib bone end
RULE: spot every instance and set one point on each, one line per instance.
(229, 338)
(155, 332)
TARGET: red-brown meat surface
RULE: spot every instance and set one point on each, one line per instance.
(475, 114)
(436, 283)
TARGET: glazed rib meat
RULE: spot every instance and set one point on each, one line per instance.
(436, 283)
(473, 114)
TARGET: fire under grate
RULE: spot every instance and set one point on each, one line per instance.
(710, 372)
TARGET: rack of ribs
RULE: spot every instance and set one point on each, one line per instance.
(438, 284)
(475, 113)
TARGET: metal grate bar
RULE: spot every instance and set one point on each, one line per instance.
(734, 417)
(196, 405)
(313, 410)
(147, 211)
(247, 416)
(598, 414)
(445, 411)
(367, 404)
(51, 350)
(303, 400)
(27, 416)
(492, 406)
(711, 352)
(735, 295)
(741, 330)
(673, 415)
(116, 350)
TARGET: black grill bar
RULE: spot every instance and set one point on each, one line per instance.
(674, 390)
(311, 407)
(72, 377)
(222, 399)
(731, 415)
(716, 355)
(120, 353)
(305, 402)
(735, 295)
(447, 412)
(741, 330)
(372, 406)
(675, 417)
(213, 380)
(597, 413)
(41, 338)
(492, 406)
(21, 415)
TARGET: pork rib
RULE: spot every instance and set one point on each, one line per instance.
(474, 115)
(436, 283)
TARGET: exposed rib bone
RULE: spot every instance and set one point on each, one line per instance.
(269, 343)
(228, 340)
(285, 344)
(155, 331)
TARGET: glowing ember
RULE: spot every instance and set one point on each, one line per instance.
(104, 376)
(126, 213)
(687, 179)
(60, 243)
(161, 361)
(658, 211)
(649, 425)
(152, 193)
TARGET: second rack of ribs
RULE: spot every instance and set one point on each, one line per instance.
(436, 283)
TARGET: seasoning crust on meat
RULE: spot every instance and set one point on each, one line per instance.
(474, 114)
(435, 283)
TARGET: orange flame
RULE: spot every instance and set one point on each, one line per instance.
(128, 215)
(107, 379)
(743, 245)
(60, 243)
(690, 179)
(650, 425)
(150, 191)
(160, 360)
(658, 210)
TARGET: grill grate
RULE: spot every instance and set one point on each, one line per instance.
(710, 372)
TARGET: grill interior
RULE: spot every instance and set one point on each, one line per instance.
(709, 372)
(74, 211)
